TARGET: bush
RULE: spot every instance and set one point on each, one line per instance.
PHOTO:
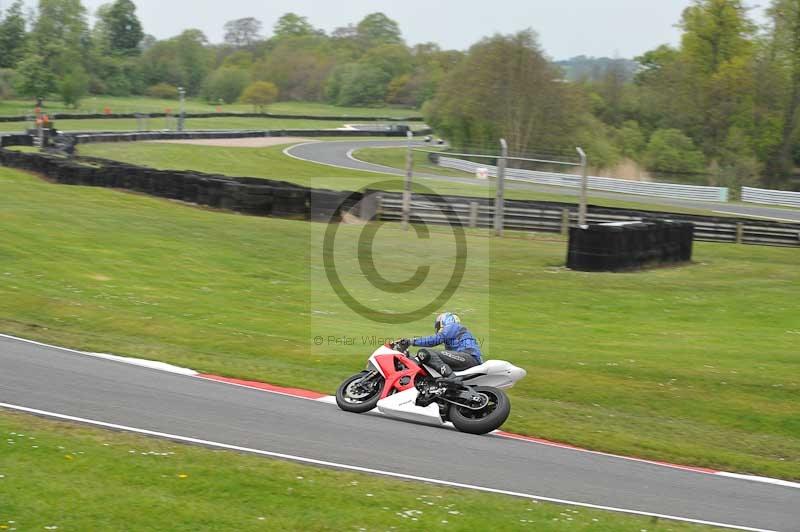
(163, 91)
(260, 94)
(74, 87)
(225, 84)
(357, 84)
(669, 150)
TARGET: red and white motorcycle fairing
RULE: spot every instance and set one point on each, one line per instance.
(399, 395)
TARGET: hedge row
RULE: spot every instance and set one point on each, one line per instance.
(262, 197)
(94, 116)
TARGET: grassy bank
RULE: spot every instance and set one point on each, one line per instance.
(157, 124)
(76, 478)
(142, 104)
(696, 365)
(272, 163)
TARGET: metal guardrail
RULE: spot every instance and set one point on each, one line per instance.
(771, 197)
(608, 184)
(551, 219)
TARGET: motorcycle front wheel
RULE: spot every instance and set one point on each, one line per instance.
(486, 419)
(359, 396)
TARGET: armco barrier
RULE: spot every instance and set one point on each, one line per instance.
(554, 217)
(771, 197)
(629, 245)
(607, 184)
(95, 116)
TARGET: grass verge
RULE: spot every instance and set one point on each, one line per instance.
(695, 365)
(158, 124)
(70, 477)
(272, 163)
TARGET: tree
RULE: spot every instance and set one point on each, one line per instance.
(183, 61)
(260, 94)
(393, 59)
(292, 25)
(34, 78)
(784, 52)
(225, 84)
(74, 86)
(357, 84)
(243, 32)
(669, 150)
(122, 28)
(12, 35)
(376, 29)
(60, 29)
(298, 66)
(717, 47)
(506, 88)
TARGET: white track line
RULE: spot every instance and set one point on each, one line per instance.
(288, 153)
(359, 469)
(330, 399)
(152, 364)
(745, 215)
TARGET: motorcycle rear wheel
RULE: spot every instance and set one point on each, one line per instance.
(354, 398)
(488, 418)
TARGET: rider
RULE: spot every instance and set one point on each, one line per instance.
(461, 348)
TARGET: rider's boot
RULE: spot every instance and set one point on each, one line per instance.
(449, 379)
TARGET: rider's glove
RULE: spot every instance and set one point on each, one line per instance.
(404, 343)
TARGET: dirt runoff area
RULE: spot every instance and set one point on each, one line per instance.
(255, 142)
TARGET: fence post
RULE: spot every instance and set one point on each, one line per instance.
(473, 213)
(564, 222)
(407, 184)
(739, 232)
(584, 185)
(499, 201)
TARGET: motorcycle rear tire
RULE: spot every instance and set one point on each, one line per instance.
(361, 407)
(483, 425)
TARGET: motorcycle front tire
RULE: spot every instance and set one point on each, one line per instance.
(362, 406)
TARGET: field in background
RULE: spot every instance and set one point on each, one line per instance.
(77, 478)
(272, 163)
(154, 105)
(694, 365)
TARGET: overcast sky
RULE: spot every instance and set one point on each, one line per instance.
(566, 27)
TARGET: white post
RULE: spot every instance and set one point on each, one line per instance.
(407, 185)
(584, 186)
(499, 202)
(182, 115)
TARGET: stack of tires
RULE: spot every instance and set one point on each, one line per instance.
(630, 245)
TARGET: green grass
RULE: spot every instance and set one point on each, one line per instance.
(156, 124)
(78, 478)
(696, 365)
(267, 162)
(271, 163)
(193, 105)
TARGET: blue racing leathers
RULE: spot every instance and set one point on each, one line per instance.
(455, 337)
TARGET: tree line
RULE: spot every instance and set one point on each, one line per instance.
(57, 52)
(723, 103)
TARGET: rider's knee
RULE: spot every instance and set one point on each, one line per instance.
(424, 355)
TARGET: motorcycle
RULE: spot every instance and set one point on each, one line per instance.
(402, 385)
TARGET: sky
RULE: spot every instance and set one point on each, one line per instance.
(566, 28)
